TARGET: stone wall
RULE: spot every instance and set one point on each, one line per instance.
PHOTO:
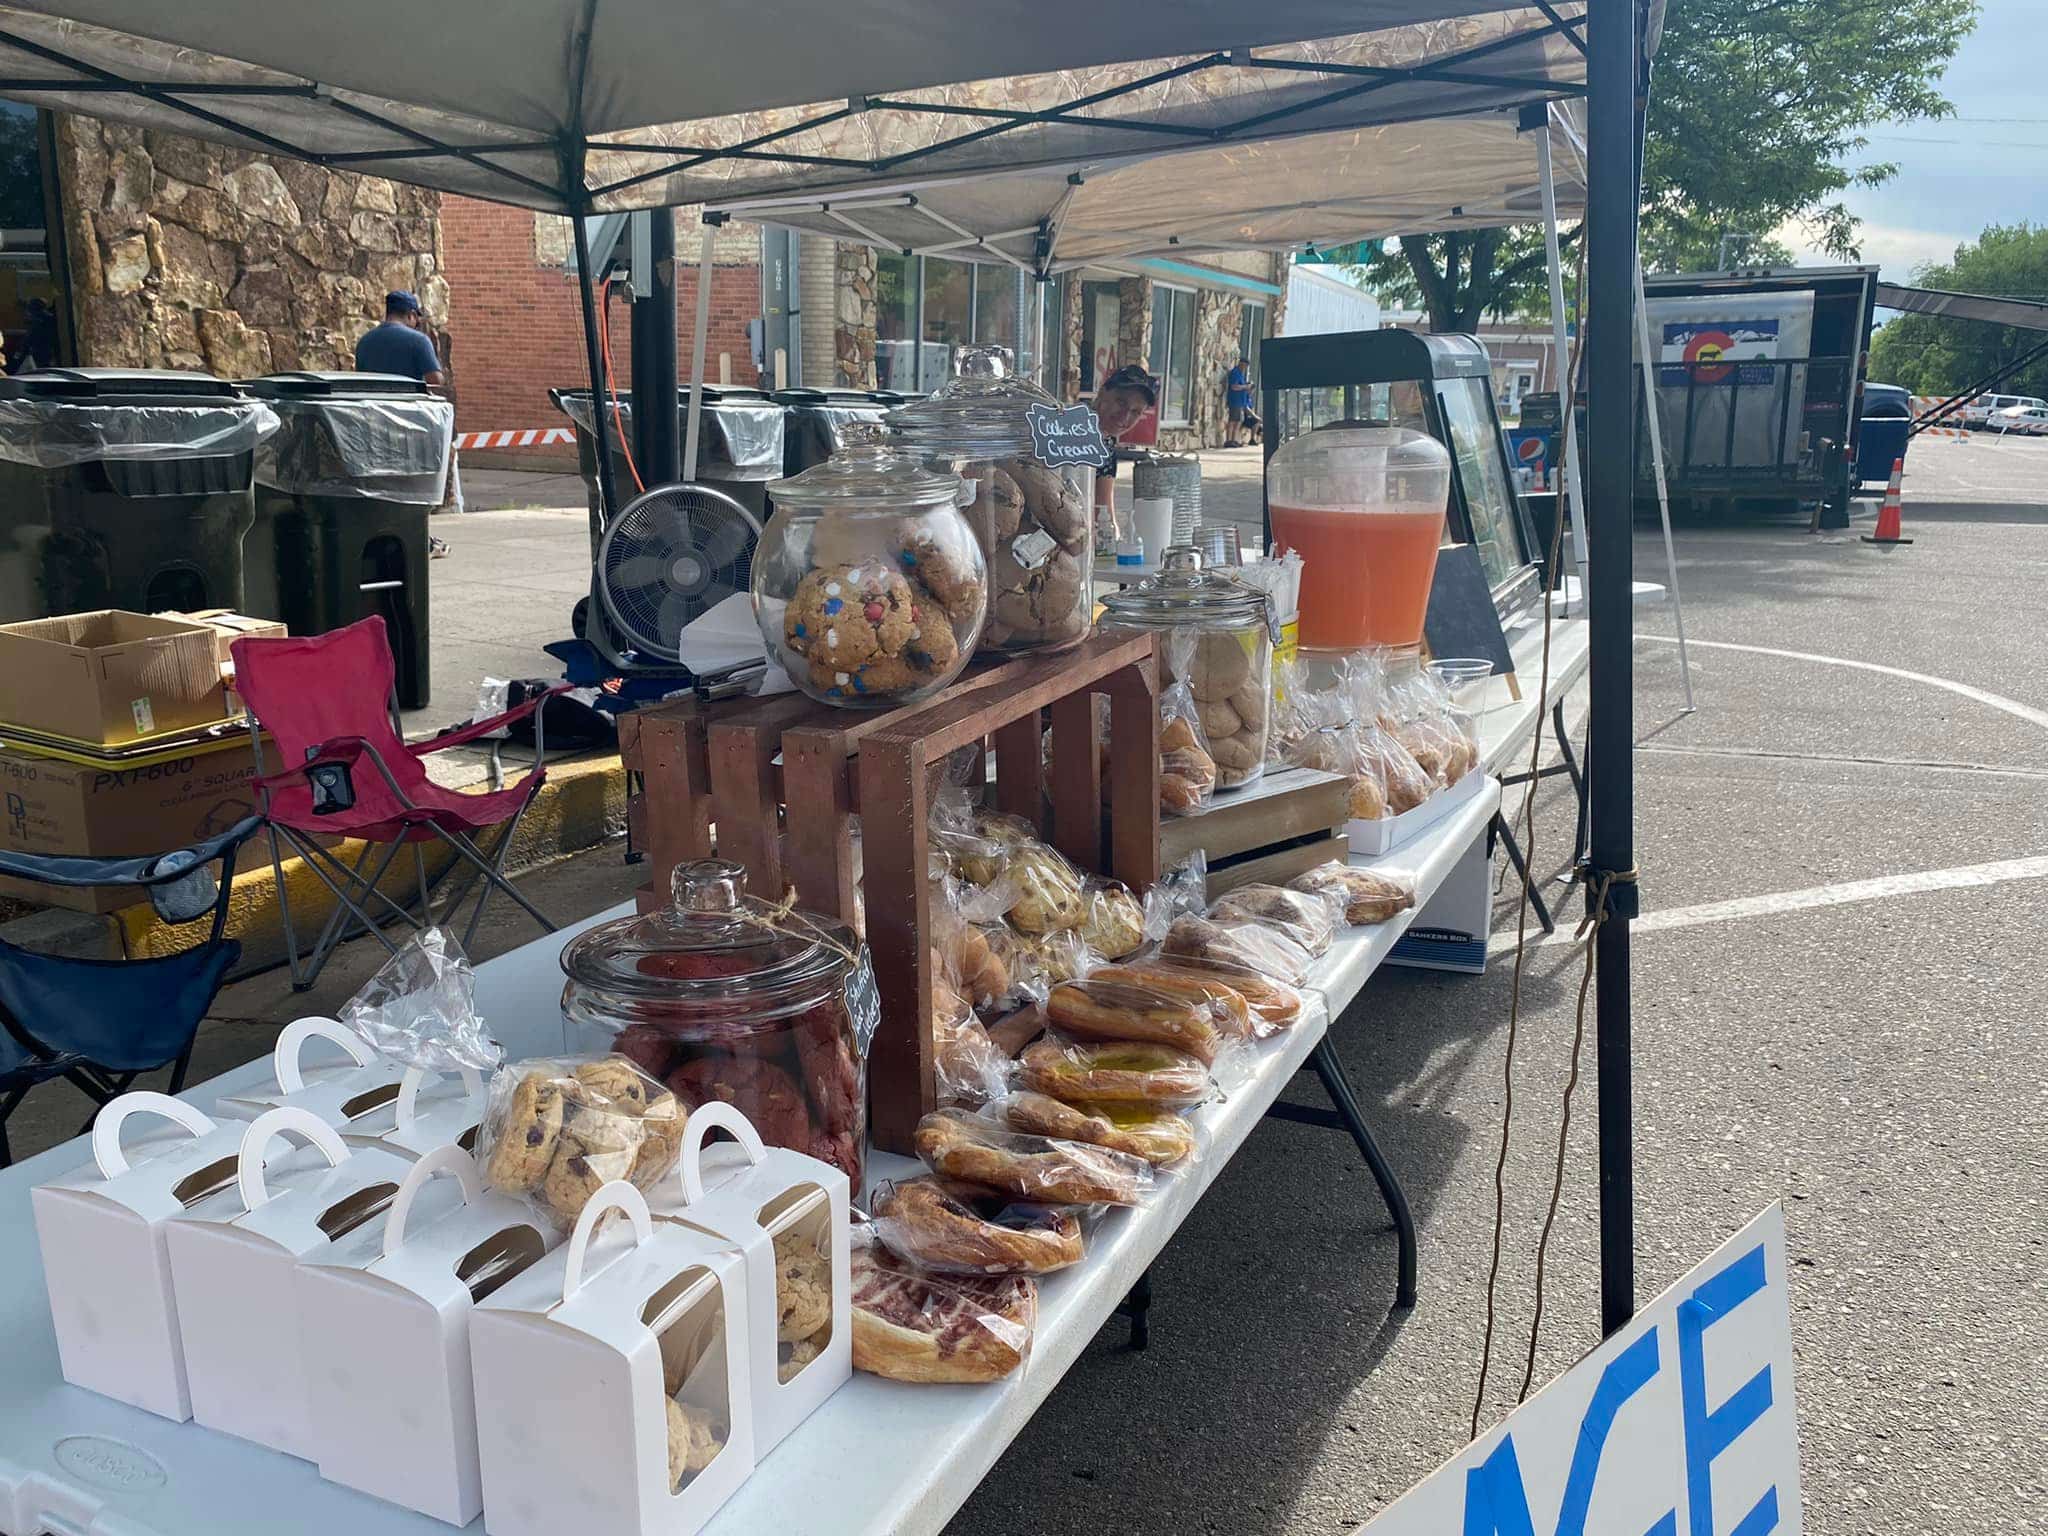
(1133, 322)
(185, 254)
(854, 334)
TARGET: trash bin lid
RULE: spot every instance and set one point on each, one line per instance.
(341, 383)
(115, 386)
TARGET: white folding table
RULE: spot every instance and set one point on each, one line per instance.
(880, 1457)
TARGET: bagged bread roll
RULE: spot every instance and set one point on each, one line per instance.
(1309, 918)
(1369, 897)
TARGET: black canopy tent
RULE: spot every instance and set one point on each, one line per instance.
(567, 106)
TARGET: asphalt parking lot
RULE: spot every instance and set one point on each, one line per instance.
(1874, 1060)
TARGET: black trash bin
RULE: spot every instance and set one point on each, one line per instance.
(816, 417)
(739, 449)
(124, 488)
(343, 493)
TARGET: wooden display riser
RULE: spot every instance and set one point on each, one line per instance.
(779, 781)
(1291, 820)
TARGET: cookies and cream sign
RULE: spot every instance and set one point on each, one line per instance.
(1681, 1424)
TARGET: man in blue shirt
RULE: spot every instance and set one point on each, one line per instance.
(1237, 402)
(400, 345)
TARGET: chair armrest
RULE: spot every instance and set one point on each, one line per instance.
(467, 733)
(75, 870)
(343, 750)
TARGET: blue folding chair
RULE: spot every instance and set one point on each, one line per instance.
(100, 1024)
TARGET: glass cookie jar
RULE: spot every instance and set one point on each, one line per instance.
(1035, 523)
(869, 587)
(724, 996)
(1221, 648)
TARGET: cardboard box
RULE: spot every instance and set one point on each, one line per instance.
(228, 627)
(343, 1095)
(101, 1229)
(572, 1363)
(1450, 933)
(753, 1197)
(234, 1262)
(109, 677)
(384, 1319)
(118, 810)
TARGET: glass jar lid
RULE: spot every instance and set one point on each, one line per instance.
(868, 471)
(978, 413)
(713, 942)
(1185, 594)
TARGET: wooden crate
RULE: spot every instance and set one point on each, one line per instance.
(1291, 820)
(774, 784)
(895, 764)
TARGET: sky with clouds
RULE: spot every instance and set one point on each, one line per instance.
(1986, 165)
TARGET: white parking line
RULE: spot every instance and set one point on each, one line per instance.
(1998, 701)
(1842, 893)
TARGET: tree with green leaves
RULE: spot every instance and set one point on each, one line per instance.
(1941, 355)
(1756, 115)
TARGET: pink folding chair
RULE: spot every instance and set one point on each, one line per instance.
(328, 704)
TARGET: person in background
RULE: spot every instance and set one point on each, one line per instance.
(1237, 403)
(401, 345)
(1120, 400)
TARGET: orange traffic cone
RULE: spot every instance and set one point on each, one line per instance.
(1888, 514)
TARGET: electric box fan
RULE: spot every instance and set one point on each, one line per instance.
(670, 555)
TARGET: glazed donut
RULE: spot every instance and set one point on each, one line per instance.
(1098, 1009)
(1226, 1005)
(964, 1146)
(957, 1228)
(1160, 1137)
(1119, 1072)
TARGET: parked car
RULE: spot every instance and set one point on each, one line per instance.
(2027, 420)
(1978, 412)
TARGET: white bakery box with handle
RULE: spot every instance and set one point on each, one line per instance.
(384, 1316)
(788, 1216)
(101, 1230)
(431, 1110)
(340, 1094)
(234, 1262)
(612, 1378)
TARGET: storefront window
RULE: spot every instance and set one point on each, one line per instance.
(948, 316)
(28, 293)
(1101, 317)
(1173, 351)
(995, 309)
(895, 321)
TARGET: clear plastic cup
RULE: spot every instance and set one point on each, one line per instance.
(1464, 679)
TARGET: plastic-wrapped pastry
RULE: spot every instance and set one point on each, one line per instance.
(1368, 897)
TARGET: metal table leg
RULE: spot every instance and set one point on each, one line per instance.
(1501, 830)
(1347, 1116)
(1138, 1308)
(1577, 776)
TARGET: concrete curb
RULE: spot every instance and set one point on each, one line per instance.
(582, 804)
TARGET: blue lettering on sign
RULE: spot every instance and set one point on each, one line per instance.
(1497, 1502)
(1708, 1434)
(1497, 1499)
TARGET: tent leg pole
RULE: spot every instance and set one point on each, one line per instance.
(1610, 454)
(1657, 468)
(703, 324)
(593, 357)
(1560, 350)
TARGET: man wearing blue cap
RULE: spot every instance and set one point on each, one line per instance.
(401, 345)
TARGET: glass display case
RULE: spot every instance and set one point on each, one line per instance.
(1441, 385)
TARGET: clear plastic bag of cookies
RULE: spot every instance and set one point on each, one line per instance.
(1426, 703)
(557, 1129)
(977, 1150)
(1163, 1137)
(950, 1227)
(1187, 769)
(1253, 946)
(1309, 918)
(1113, 920)
(1138, 1073)
(1369, 896)
(912, 1325)
(969, 1066)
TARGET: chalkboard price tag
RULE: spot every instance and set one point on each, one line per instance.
(1063, 435)
(1461, 619)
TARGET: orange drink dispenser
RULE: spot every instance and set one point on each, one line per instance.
(1364, 507)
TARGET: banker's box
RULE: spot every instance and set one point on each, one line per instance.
(109, 677)
(110, 810)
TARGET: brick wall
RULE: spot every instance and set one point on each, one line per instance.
(515, 322)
